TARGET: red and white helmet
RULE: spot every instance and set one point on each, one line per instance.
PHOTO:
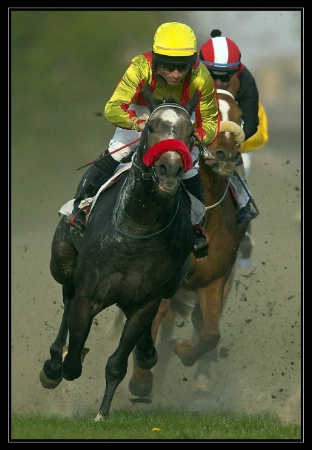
(220, 53)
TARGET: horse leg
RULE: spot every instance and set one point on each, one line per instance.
(167, 327)
(62, 267)
(141, 382)
(117, 363)
(206, 319)
(202, 379)
(80, 319)
(51, 375)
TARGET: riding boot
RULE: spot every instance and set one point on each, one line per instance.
(92, 180)
(246, 209)
(245, 250)
(194, 187)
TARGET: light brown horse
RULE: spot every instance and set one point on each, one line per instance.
(209, 276)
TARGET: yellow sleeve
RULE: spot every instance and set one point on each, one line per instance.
(117, 109)
(261, 137)
(207, 112)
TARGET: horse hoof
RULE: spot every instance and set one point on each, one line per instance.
(84, 352)
(184, 351)
(47, 383)
(99, 418)
(140, 390)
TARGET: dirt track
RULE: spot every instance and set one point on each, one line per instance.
(261, 326)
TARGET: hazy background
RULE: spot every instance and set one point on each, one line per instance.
(64, 67)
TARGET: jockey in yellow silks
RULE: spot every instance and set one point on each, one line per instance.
(171, 69)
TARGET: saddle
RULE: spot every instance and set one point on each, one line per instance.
(87, 204)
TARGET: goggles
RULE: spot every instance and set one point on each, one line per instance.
(179, 68)
(224, 77)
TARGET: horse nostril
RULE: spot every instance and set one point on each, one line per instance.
(221, 155)
(170, 184)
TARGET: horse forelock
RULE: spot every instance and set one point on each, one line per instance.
(224, 108)
(170, 115)
(228, 107)
(169, 122)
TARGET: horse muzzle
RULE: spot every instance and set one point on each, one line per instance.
(226, 171)
(169, 186)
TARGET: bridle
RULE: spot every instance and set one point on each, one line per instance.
(149, 173)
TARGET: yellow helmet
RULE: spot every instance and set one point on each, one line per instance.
(174, 42)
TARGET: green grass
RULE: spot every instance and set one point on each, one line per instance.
(158, 425)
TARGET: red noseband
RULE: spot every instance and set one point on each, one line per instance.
(166, 146)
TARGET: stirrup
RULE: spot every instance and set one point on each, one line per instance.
(201, 241)
(77, 222)
(245, 214)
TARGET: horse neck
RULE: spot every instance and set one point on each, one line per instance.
(213, 183)
(139, 207)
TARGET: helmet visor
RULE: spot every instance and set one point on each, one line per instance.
(180, 63)
(224, 77)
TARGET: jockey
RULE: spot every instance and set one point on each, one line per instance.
(255, 142)
(171, 69)
(222, 57)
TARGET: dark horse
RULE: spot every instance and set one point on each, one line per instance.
(209, 276)
(135, 251)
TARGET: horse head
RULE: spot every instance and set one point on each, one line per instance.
(223, 153)
(166, 142)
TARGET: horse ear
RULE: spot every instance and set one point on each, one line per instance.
(191, 104)
(150, 99)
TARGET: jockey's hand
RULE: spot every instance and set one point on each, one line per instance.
(139, 122)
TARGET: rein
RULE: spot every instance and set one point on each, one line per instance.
(152, 174)
(218, 203)
(147, 236)
(162, 105)
(103, 155)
